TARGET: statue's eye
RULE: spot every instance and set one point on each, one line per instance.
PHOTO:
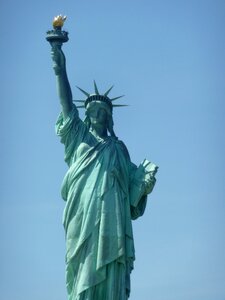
(102, 112)
(90, 113)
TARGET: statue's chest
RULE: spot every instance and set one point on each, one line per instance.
(83, 149)
(107, 153)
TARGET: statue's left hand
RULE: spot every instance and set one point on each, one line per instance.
(149, 184)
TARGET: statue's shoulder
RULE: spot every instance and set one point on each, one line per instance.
(121, 143)
(122, 147)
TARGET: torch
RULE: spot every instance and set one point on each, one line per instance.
(57, 36)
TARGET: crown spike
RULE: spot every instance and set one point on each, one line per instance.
(82, 101)
(119, 105)
(107, 92)
(113, 99)
(96, 89)
(85, 93)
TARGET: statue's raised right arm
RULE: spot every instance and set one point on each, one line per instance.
(63, 85)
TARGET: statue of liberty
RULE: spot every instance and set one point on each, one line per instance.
(103, 192)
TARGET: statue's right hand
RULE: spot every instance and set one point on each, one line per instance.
(58, 58)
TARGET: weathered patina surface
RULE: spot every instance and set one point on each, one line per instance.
(104, 191)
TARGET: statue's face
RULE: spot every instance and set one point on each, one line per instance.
(97, 115)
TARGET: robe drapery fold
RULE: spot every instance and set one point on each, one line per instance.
(97, 215)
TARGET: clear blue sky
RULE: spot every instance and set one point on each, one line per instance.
(168, 58)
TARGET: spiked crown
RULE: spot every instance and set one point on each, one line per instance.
(98, 97)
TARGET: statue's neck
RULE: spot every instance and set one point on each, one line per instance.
(99, 131)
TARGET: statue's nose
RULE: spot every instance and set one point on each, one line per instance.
(94, 114)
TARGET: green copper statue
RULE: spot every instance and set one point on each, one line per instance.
(104, 191)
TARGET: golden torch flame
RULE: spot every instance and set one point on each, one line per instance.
(58, 21)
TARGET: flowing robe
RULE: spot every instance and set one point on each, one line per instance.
(97, 215)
